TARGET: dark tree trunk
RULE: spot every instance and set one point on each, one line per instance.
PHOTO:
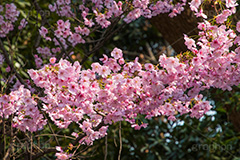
(233, 116)
(172, 29)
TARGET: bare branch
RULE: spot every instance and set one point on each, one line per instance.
(149, 50)
(120, 141)
(42, 135)
(105, 37)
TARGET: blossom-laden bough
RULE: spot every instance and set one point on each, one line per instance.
(115, 90)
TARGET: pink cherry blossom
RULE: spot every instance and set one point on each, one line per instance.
(116, 53)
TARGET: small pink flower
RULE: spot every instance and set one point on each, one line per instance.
(52, 60)
(104, 71)
(190, 43)
(117, 53)
(85, 31)
(58, 148)
(74, 134)
(58, 33)
(149, 66)
(96, 67)
(215, 43)
(43, 31)
(1, 8)
(121, 61)
(52, 7)
(67, 1)
(78, 29)
(104, 59)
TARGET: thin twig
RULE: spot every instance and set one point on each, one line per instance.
(106, 148)
(120, 141)
(55, 137)
(18, 149)
(49, 125)
(31, 144)
(149, 50)
(4, 137)
(42, 135)
(83, 150)
(99, 44)
(12, 139)
(76, 149)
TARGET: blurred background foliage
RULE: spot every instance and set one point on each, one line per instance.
(214, 137)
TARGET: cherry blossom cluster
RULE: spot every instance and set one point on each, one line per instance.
(38, 61)
(65, 35)
(105, 10)
(62, 7)
(116, 91)
(101, 13)
(197, 6)
(214, 58)
(8, 15)
(62, 90)
(46, 52)
(20, 104)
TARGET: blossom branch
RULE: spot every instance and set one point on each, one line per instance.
(38, 8)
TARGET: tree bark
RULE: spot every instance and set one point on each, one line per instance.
(172, 29)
